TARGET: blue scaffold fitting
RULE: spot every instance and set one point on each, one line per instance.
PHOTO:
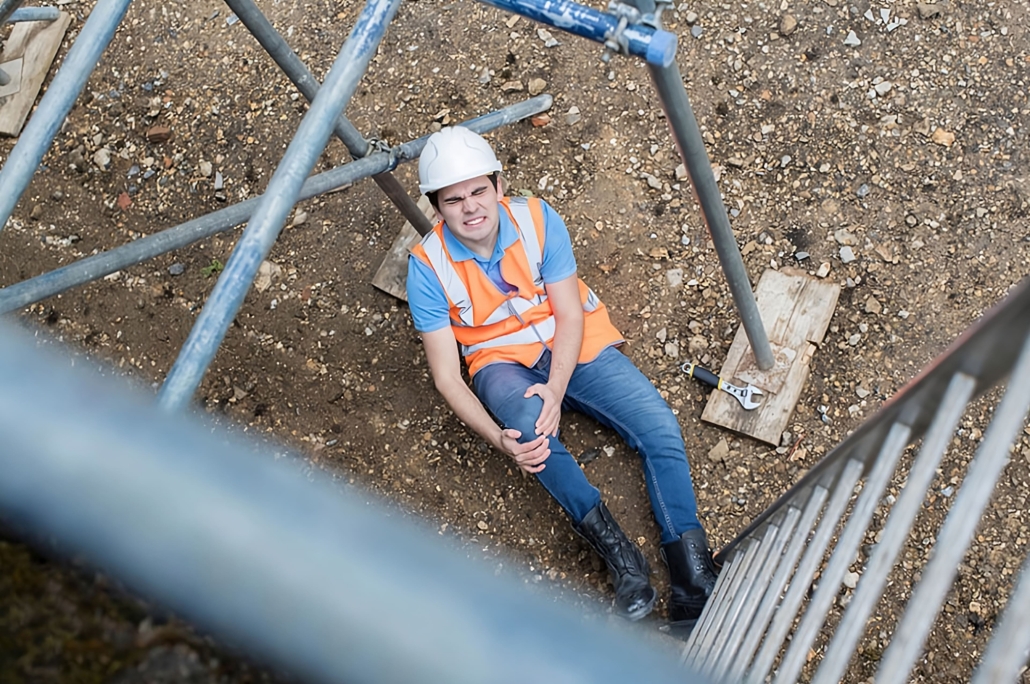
(662, 49)
(655, 46)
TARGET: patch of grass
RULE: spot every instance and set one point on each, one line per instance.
(214, 267)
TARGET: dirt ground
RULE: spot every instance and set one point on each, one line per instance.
(899, 162)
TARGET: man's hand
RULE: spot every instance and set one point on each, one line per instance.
(550, 414)
(529, 456)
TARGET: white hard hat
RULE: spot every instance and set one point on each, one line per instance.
(454, 154)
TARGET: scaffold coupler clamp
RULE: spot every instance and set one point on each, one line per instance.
(655, 20)
(615, 40)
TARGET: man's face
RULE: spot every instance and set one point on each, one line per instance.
(470, 210)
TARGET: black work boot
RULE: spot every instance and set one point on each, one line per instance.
(692, 577)
(634, 595)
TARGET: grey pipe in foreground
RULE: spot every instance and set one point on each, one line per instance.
(300, 574)
(39, 132)
(18, 295)
(278, 49)
(279, 198)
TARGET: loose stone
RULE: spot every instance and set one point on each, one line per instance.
(788, 24)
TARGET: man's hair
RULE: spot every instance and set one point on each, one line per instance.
(432, 195)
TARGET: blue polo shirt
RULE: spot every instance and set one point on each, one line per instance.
(426, 296)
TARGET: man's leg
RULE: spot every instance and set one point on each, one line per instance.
(612, 390)
(501, 387)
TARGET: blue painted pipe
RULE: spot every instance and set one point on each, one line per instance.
(654, 46)
(34, 14)
(39, 132)
(282, 193)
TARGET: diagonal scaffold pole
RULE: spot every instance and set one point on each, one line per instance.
(673, 95)
(8, 8)
(39, 132)
(279, 198)
(33, 14)
(278, 49)
(96, 266)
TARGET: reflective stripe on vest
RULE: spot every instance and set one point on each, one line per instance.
(519, 207)
(540, 332)
(452, 285)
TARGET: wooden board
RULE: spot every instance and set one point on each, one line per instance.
(796, 310)
(392, 275)
(34, 44)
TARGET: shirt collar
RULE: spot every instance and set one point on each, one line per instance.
(506, 237)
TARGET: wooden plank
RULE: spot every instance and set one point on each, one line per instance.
(392, 275)
(796, 310)
(35, 43)
(13, 71)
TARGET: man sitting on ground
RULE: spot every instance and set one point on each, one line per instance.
(497, 276)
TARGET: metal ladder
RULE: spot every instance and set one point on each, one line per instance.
(758, 626)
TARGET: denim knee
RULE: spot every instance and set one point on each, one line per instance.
(520, 413)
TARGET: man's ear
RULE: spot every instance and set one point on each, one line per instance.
(502, 185)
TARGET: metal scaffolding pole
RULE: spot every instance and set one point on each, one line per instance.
(279, 198)
(278, 49)
(39, 132)
(97, 266)
(308, 576)
(34, 14)
(8, 8)
(685, 131)
(673, 96)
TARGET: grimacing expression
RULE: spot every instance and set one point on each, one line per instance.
(470, 210)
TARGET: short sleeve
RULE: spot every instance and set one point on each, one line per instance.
(426, 298)
(558, 260)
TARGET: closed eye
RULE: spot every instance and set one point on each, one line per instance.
(475, 193)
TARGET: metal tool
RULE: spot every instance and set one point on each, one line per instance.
(745, 395)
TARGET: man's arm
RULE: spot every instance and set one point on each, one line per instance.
(445, 365)
(567, 307)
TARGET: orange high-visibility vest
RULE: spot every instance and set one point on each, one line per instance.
(492, 326)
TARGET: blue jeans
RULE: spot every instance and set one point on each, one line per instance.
(611, 390)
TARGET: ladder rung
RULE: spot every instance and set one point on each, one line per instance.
(719, 597)
(959, 526)
(715, 636)
(756, 590)
(788, 609)
(896, 530)
(1007, 652)
(843, 554)
(784, 568)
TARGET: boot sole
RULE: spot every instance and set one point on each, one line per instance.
(642, 612)
(681, 629)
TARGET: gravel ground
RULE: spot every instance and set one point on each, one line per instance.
(882, 146)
